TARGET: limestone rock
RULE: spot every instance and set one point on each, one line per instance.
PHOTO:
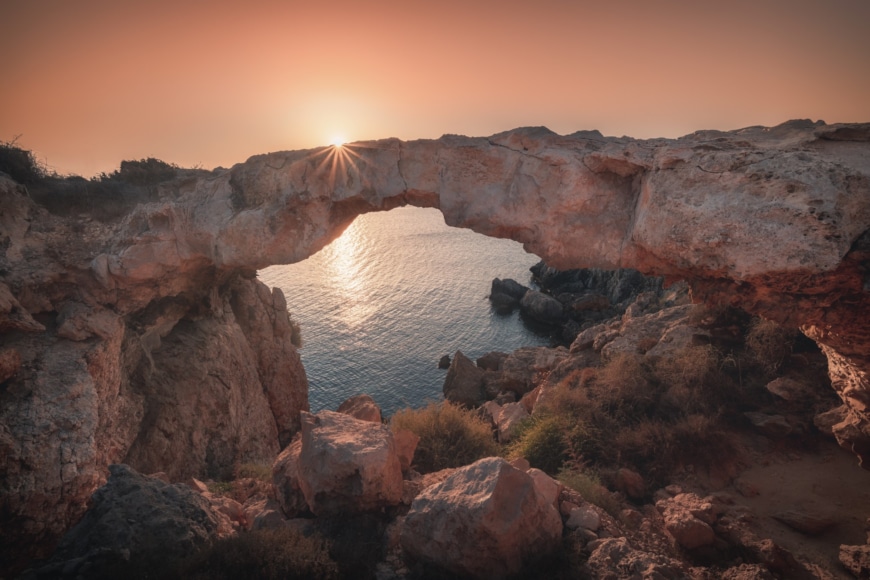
(688, 519)
(361, 407)
(285, 478)
(347, 465)
(616, 559)
(135, 520)
(406, 444)
(630, 483)
(583, 516)
(506, 418)
(708, 208)
(464, 382)
(486, 520)
(856, 559)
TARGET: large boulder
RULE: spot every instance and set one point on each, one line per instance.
(347, 464)
(506, 294)
(136, 523)
(285, 478)
(486, 520)
(464, 382)
(361, 407)
(541, 307)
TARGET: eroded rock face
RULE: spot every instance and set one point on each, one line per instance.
(773, 220)
(347, 464)
(486, 520)
(135, 521)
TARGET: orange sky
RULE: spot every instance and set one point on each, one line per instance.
(87, 83)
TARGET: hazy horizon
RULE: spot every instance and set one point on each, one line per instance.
(93, 82)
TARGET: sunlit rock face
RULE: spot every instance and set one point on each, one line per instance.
(97, 318)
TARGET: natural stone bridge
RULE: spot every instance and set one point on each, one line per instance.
(147, 341)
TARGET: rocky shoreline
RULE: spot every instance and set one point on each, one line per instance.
(134, 331)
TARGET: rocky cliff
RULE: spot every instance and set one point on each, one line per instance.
(147, 340)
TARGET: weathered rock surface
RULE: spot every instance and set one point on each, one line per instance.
(464, 382)
(485, 520)
(347, 464)
(361, 407)
(773, 220)
(134, 521)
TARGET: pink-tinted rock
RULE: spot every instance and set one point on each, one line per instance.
(464, 382)
(486, 520)
(361, 407)
(856, 559)
(688, 519)
(347, 465)
(285, 478)
(406, 443)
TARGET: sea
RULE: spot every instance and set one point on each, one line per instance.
(380, 305)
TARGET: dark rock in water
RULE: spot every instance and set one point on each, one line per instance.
(136, 523)
(491, 361)
(509, 287)
(444, 362)
(464, 382)
(506, 294)
(542, 308)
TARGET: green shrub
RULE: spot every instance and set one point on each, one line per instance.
(450, 436)
(542, 440)
(263, 555)
(587, 483)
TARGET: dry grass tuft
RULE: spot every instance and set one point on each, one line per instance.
(450, 436)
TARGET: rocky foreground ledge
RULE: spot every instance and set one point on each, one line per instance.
(146, 339)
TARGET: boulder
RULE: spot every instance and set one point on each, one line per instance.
(811, 524)
(464, 382)
(583, 516)
(507, 419)
(491, 361)
(406, 444)
(505, 295)
(688, 519)
(630, 483)
(347, 465)
(617, 559)
(775, 426)
(444, 362)
(362, 407)
(285, 478)
(134, 523)
(486, 520)
(542, 308)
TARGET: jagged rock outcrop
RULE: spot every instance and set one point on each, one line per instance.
(486, 520)
(773, 220)
(136, 521)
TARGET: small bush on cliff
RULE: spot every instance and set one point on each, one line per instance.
(263, 555)
(20, 164)
(769, 343)
(450, 436)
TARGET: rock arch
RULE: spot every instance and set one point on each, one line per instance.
(102, 323)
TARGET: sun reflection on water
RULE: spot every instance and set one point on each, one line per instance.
(350, 278)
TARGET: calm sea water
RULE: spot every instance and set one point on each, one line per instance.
(380, 305)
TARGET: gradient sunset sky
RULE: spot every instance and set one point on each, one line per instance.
(87, 83)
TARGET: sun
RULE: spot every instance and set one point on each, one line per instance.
(337, 141)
